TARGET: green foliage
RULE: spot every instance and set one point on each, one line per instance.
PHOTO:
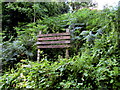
(82, 25)
(23, 47)
(95, 54)
(81, 22)
(77, 72)
(16, 13)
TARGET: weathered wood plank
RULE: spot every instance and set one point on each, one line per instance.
(55, 38)
(54, 46)
(55, 34)
(53, 42)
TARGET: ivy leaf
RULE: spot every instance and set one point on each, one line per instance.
(90, 38)
(80, 24)
(84, 33)
(77, 27)
(111, 81)
(116, 70)
(77, 37)
(100, 31)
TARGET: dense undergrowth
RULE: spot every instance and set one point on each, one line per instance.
(94, 56)
(77, 72)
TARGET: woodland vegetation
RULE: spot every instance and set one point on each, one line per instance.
(94, 61)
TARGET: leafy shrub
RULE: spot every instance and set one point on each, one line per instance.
(12, 51)
(76, 72)
(85, 26)
(21, 48)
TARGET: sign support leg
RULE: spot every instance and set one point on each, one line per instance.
(67, 53)
(38, 55)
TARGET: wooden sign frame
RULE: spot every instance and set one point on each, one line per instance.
(55, 40)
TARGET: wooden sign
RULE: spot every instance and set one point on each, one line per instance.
(56, 40)
(45, 40)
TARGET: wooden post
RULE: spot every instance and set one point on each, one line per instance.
(38, 52)
(67, 52)
(38, 55)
